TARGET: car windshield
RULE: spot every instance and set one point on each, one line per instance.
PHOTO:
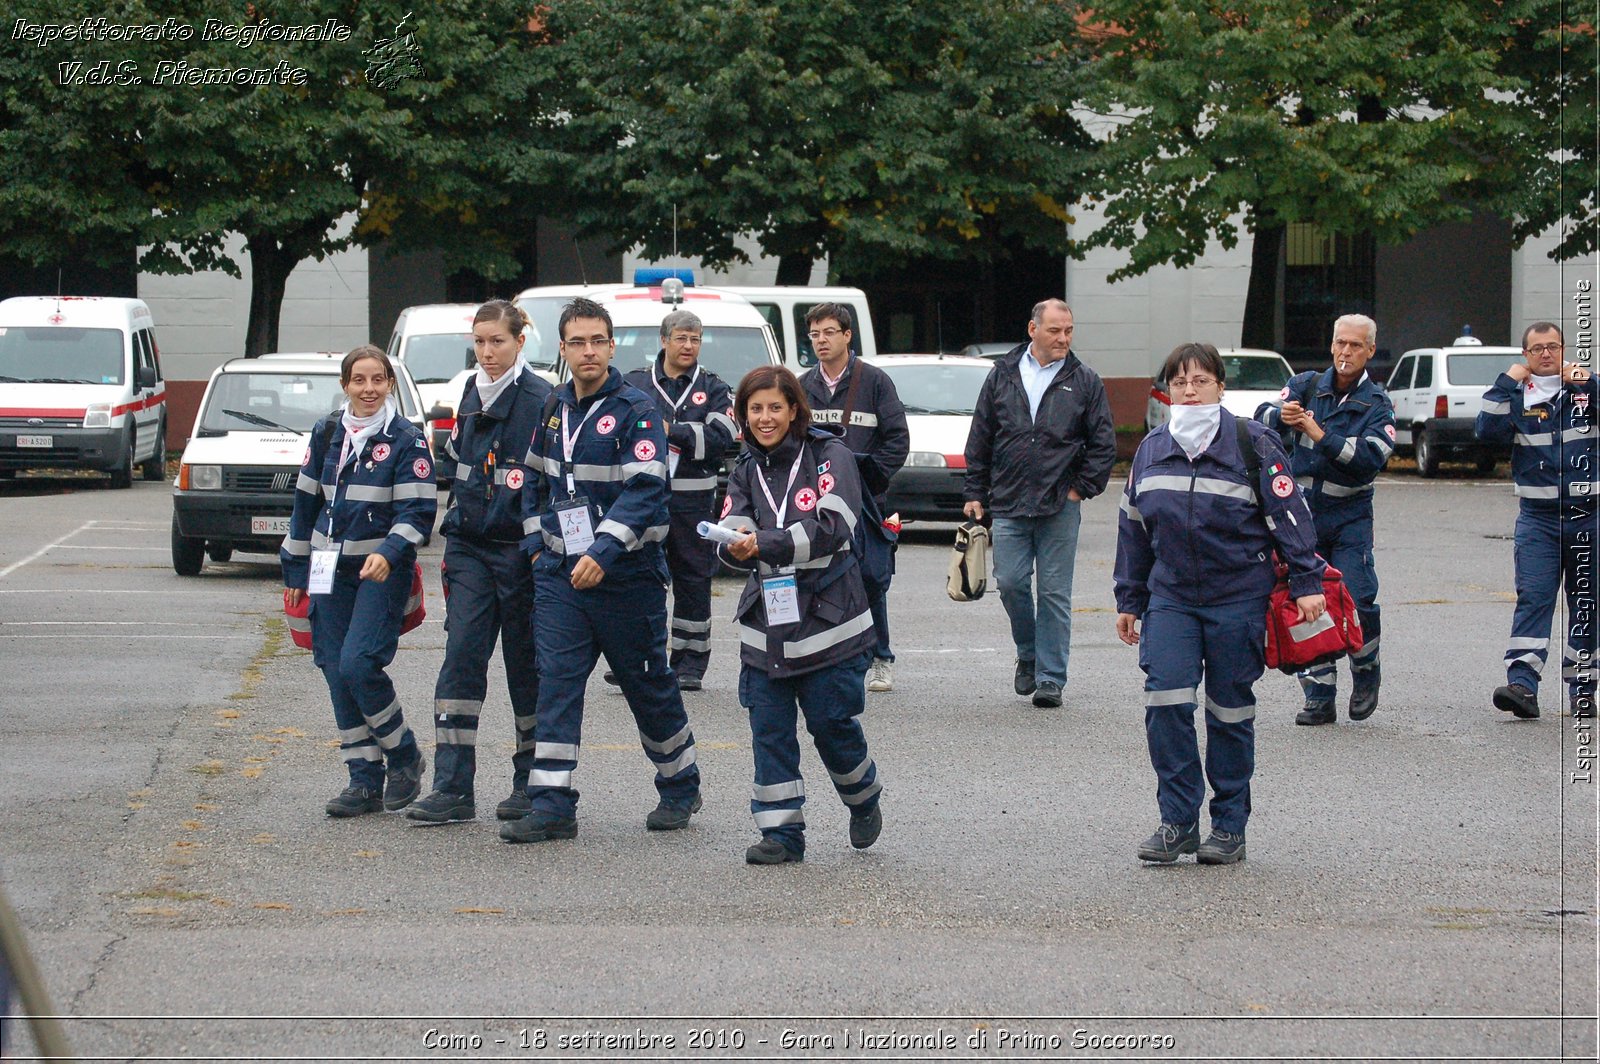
(937, 387)
(1476, 369)
(62, 356)
(290, 399)
(1255, 373)
(541, 345)
(437, 357)
(729, 351)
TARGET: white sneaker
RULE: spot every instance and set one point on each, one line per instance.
(881, 676)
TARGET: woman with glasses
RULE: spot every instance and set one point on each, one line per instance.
(1195, 541)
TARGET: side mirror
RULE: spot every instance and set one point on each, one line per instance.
(145, 377)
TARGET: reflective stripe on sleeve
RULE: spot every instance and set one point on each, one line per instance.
(1490, 407)
(1347, 452)
(421, 489)
(309, 485)
(694, 483)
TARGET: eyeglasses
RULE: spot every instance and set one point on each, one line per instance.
(824, 334)
(1179, 384)
(1545, 349)
(599, 343)
(685, 338)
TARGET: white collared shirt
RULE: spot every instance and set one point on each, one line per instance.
(1036, 378)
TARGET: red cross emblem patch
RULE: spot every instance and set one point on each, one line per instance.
(805, 500)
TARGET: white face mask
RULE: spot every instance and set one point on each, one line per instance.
(1194, 427)
(1541, 389)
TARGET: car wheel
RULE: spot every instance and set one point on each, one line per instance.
(156, 467)
(188, 554)
(1486, 465)
(122, 475)
(219, 552)
(1427, 456)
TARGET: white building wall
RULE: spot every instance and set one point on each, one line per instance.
(201, 318)
(1542, 290)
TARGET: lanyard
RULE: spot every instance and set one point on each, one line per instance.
(688, 389)
(570, 440)
(794, 471)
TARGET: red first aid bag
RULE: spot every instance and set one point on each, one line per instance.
(298, 615)
(1293, 645)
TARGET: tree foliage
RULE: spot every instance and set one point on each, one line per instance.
(1359, 116)
(873, 132)
(180, 165)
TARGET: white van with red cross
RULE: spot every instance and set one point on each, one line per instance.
(81, 387)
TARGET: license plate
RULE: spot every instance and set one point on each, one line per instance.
(269, 526)
(36, 441)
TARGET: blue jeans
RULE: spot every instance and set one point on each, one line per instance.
(1049, 544)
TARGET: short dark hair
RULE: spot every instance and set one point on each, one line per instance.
(823, 311)
(1203, 355)
(348, 366)
(502, 310)
(759, 380)
(1543, 326)
(582, 308)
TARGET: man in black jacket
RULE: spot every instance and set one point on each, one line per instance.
(843, 390)
(1041, 442)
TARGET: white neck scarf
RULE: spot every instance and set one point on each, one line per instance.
(488, 390)
(1541, 389)
(1194, 427)
(358, 430)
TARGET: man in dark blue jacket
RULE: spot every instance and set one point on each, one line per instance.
(1338, 427)
(1546, 408)
(696, 408)
(1041, 442)
(593, 525)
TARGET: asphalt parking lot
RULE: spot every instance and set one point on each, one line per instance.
(1419, 886)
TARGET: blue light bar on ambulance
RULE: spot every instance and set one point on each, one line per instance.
(650, 276)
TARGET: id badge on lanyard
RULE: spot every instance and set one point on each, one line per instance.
(323, 565)
(573, 514)
(780, 594)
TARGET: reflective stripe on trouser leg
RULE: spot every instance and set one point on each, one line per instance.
(369, 647)
(567, 654)
(1578, 664)
(832, 699)
(692, 562)
(514, 583)
(1171, 652)
(349, 640)
(1537, 557)
(1348, 548)
(1235, 657)
(779, 793)
(628, 617)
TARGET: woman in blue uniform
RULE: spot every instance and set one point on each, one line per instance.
(805, 627)
(1194, 563)
(364, 503)
(489, 583)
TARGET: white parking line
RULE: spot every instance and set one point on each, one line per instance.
(98, 624)
(78, 591)
(14, 566)
(121, 638)
(75, 546)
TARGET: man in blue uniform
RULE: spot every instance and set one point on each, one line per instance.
(593, 526)
(843, 390)
(1545, 408)
(695, 406)
(1338, 426)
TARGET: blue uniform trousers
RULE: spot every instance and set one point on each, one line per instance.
(624, 618)
(1344, 539)
(1224, 644)
(490, 596)
(355, 631)
(831, 698)
(692, 562)
(1049, 544)
(1554, 548)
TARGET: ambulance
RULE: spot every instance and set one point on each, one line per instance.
(81, 387)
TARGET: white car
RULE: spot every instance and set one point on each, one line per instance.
(1437, 392)
(1254, 377)
(939, 392)
(235, 486)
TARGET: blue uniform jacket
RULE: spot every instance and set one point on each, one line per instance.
(1553, 444)
(384, 501)
(487, 450)
(815, 540)
(701, 427)
(1358, 437)
(1194, 532)
(877, 427)
(619, 463)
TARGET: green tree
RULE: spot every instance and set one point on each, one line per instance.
(1358, 116)
(872, 132)
(346, 138)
